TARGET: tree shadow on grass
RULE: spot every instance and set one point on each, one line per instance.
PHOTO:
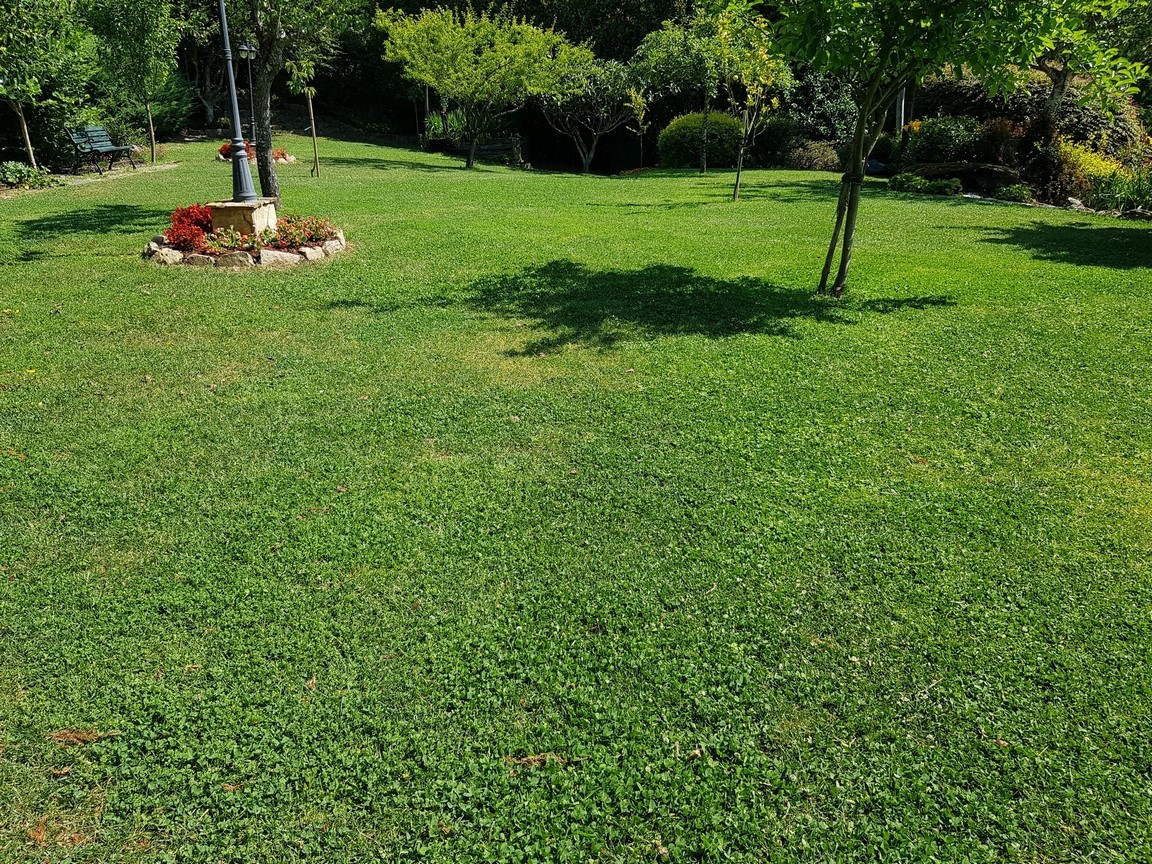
(1122, 247)
(381, 164)
(572, 304)
(101, 219)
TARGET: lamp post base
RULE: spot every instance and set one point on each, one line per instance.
(244, 216)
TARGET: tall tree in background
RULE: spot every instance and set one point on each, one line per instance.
(684, 57)
(878, 45)
(594, 98)
(484, 65)
(1078, 49)
(283, 29)
(137, 49)
(36, 38)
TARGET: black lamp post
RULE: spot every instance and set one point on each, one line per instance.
(242, 188)
(248, 52)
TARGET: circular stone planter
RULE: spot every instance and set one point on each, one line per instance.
(159, 252)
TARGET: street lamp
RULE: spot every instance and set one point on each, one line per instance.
(248, 52)
(242, 188)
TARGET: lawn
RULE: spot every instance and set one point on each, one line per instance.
(558, 521)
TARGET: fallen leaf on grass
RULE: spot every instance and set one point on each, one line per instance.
(192, 667)
(231, 787)
(311, 683)
(68, 737)
(61, 772)
(37, 834)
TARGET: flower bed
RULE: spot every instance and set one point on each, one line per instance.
(192, 240)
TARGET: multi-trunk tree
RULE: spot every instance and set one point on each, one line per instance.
(879, 45)
(594, 97)
(483, 65)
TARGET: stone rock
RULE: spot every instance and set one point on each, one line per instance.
(168, 255)
(160, 240)
(277, 258)
(1137, 213)
(196, 260)
(235, 259)
(340, 237)
(312, 253)
(333, 247)
(151, 249)
(1078, 205)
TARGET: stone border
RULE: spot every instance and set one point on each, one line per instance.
(159, 252)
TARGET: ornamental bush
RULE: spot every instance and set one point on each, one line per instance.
(293, 231)
(189, 227)
(226, 150)
(813, 156)
(681, 142)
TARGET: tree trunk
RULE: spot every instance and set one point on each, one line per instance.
(591, 154)
(19, 109)
(312, 125)
(151, 132)
(868, 130)
(704, 138)
(265, 74)
(740, 156)
(471, 160)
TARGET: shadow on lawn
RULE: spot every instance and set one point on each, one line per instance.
(574, 304)
(381, 164)
(1123, 247)
(102, 219)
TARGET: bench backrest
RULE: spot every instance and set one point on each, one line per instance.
(98, 136)
(79, 138)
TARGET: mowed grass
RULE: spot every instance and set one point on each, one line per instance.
(559, 522)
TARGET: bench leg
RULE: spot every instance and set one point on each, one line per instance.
(131, 161)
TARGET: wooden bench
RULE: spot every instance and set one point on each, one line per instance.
(93, 142)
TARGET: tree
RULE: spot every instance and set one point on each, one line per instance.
(594, 98)
(483, 65)
(36, 38)
(280, 30)
(752, 75)
(879, 45)
(684, 57)
(137, 49)
(1077, 50)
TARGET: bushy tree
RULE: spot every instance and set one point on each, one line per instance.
(684, 57)
(37, 38)
(137, 49)
(878, 45)
(484, 65)
(594, 97)
(283, 30)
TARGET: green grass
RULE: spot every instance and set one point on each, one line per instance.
(574, 468)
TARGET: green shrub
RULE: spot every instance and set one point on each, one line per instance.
(780, 135)
(1081, 121)
(941, 139)
(915, 183)
(1020, 192)
(814, 156)
(822, 106)
(948, 186)
(680, 144)
(885, 148)
(907, 183)
(20, 176)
